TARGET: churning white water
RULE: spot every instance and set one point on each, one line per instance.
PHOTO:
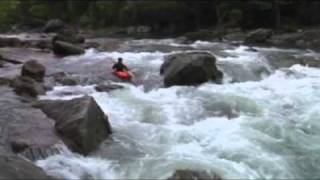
(265, 128)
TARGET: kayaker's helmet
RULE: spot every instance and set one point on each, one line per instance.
(120, 60)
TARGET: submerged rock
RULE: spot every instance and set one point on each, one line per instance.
(14, 167)
(190, 68)
(107, 87)
(193, 175)
(80, 122)
(34, 70)
(66, 49)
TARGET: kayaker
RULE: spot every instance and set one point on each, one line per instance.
(119, 66)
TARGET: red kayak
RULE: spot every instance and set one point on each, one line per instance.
(125, 75)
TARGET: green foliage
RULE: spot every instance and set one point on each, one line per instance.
(84, 21)
(40, 11)
(6, 6)
(186, 15)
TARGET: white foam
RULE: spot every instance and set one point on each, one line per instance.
(177, 127)
(78, 167)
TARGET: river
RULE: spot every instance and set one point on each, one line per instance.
(262, 122)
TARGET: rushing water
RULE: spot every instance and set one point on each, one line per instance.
(265, 125)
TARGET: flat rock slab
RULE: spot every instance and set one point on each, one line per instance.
(22, 55)
(24, 127)
(13, 167)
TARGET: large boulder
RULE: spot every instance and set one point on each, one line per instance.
(80, 122)
(69, 36)
(191, 68)
(26, 86)
(259, 36)
(14, 167)
(66, 49)
(54, 25)
(193, 175)
(10, 42)
(34, 70)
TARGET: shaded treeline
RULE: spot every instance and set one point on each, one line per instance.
(169, 15)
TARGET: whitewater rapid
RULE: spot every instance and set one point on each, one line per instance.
(262, 126)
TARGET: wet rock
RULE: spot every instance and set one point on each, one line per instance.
(107, 87)
(80, 122)
(193, 175)
(69, 81)
(9, 42)
(5, 81)
(66, 49)
(39, 44)
(53, 25)
(22, 55)
(251, 49)
(14, 167)
(287, 59)
(259, 36)
(303, 39)
(88, 45)
(310, 62)
(49, 83)
(63, 79)
(26, 86)
(192, 68)
(39, 153)
(58, 76)
(68, 36)
(34, 70)
(23, 127)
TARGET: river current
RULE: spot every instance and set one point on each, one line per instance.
(262, 122)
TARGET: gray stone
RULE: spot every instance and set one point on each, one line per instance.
(80, 122)
(66, 49)
(192, 68)
(13, 167)
(107, 87)
(34, 70)
(26, 86)
(9, 42)
(193, 175)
